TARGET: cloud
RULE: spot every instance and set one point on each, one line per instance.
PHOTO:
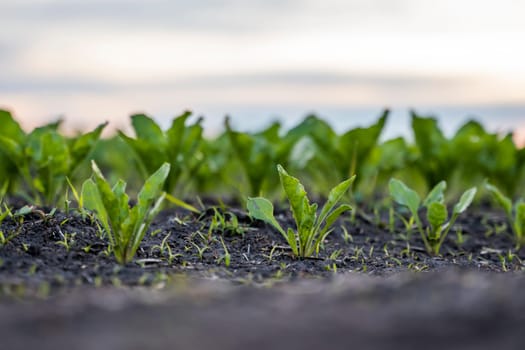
(29, 84)
(204, 15)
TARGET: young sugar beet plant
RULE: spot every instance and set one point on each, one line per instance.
(311, 228)
(124, 226)
(40, 161)
(434, 235)
(179, 146)
(515, 213)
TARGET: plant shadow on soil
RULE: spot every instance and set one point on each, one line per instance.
(361, 284)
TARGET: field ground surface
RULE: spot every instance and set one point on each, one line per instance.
(237, 286)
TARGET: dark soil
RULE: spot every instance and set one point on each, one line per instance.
(364, 289)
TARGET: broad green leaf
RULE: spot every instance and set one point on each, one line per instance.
(254, 154)
(138, 236)
(12, 138)
(93, 201)
(330, 220)
(10, 128)
(296, 195)
(130, 226)
(119, 189)
(175, 133)
(55, 153)
(156, 208)
(435, 160)
(147, 130)
(146, 157)
(502, 200)
(404, 195)
(151, 190)
(107, 196)
(465, 200)
(12, 150)
(262, 209)
(334, 197)
(436, 194)
(437, 215)
(318, 130)
(306, 230)
(357, 144)
(428, 136)
(83, 144)
(393, 154)
(519, 222)
(153, 186)
(302, 152)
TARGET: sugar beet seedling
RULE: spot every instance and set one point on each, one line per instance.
(311, 229)
(124, 226)
(515, 213)
(434, 235)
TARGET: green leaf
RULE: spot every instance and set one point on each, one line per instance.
(297, 197)
(83, 144)
(262, 209)
(151, 190)
(119, 189)
(10, 128)
(306, 231)
(12, 150)
(181, 203)
(139, 236)
(466, 199)
(55, 153)
(302, 152)
(330, 220)
(76, 195)
(357, 144)
(93, 201)
(255, 153)
(519, 222)
(333, 198)
(435, 159)
(292, 241)
(147, 130)
(175, 133)
(153, 186)
(404, 195)
(107, 196)
(436, 194)
(437, 215)
(502, 200)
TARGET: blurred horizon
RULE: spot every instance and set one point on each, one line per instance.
(257, 60)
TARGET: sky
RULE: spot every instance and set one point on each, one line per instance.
(257, 60)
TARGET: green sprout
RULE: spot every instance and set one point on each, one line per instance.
(125, 226)
(311, 229)
(515, 213)
(224, 222)
(434, 235)
(225, 257)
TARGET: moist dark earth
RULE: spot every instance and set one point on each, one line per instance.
(372, 285)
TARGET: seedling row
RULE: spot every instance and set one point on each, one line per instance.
(308, 189)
